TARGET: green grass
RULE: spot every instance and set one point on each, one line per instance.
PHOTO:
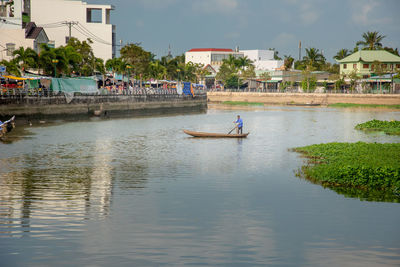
(242, 103)
(389, 127)
(355, 167)
(349, 105)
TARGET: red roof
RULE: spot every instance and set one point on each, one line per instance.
(210, 50)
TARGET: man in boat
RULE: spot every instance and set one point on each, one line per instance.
(239, 125)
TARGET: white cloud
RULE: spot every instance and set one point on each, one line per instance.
(364, 13)
(215, 6)
(309, 14)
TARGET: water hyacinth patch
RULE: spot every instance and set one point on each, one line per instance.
(388, 127)
(364, 166)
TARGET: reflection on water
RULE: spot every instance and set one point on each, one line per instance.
(138, 191)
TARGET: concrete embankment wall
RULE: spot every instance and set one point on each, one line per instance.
(57, 105)
(303, 98)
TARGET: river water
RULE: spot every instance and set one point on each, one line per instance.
(139, 192)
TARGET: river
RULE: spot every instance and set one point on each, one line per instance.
(139, 192)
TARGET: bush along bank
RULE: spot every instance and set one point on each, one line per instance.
(370, 171)
(388, 127)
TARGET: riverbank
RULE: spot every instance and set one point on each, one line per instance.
(302, 98)
(98, 105)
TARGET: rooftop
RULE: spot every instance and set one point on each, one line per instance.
(210, 50)
(371, 56)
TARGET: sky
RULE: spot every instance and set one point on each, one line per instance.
(253, 24)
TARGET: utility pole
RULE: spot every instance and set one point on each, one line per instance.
(70, 24)
(299, 50)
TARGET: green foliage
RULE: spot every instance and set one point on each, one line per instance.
(371, 40)
(341, 54)
(350, 105)
(309, 82)
(365, 166)
(137, 57)
(389, 127)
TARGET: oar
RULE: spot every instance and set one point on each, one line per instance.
(232, 130)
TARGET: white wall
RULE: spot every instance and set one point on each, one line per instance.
(198, 57)
(51, 11)
(16, 36)
(258, 55)
(263, 59)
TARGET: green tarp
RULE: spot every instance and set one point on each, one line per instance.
(74, 85)
(32, 84)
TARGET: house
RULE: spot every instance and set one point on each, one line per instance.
(263, 59)
(13, 38)
(210, 56)
(363, 62)
(63, 19)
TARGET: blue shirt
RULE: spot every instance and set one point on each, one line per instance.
(239, 122)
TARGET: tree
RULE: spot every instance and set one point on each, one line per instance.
(309, 82)
(353, 79)
(313, 58)
(391, 50)
(341, 54)
(276, 57)
(265, 76)
(11, 66)
(86, 66)
(25, 58)
(116, 65)
(371, 40)
(288, 62)
(248, 74)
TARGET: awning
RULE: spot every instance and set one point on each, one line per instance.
(16, 78)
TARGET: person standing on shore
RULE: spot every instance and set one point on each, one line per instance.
(239, 125)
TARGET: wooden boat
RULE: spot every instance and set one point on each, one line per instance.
(7, 126)
(215, 135)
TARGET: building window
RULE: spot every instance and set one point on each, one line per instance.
(94, 15)
(397, 66)
(10, 49)
(366, 66)
(355, 66)
(384, 66)
(344, 66)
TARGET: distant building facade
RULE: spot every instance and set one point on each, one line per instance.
(263, 59)
(17, 31)
(210, 57)
(363, 62)
(60, 19)
(82, 20)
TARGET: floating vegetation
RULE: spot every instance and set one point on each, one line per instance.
(388, 127)
(370, 171)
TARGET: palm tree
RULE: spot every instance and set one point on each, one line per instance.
(288, 62)
(26, 58)
(372, 40)
(11, 66)
(341, 54)
(313, 58)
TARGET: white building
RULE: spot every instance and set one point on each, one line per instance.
(16, 31)
(263, 59)
(60, 18)
(210, 56)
